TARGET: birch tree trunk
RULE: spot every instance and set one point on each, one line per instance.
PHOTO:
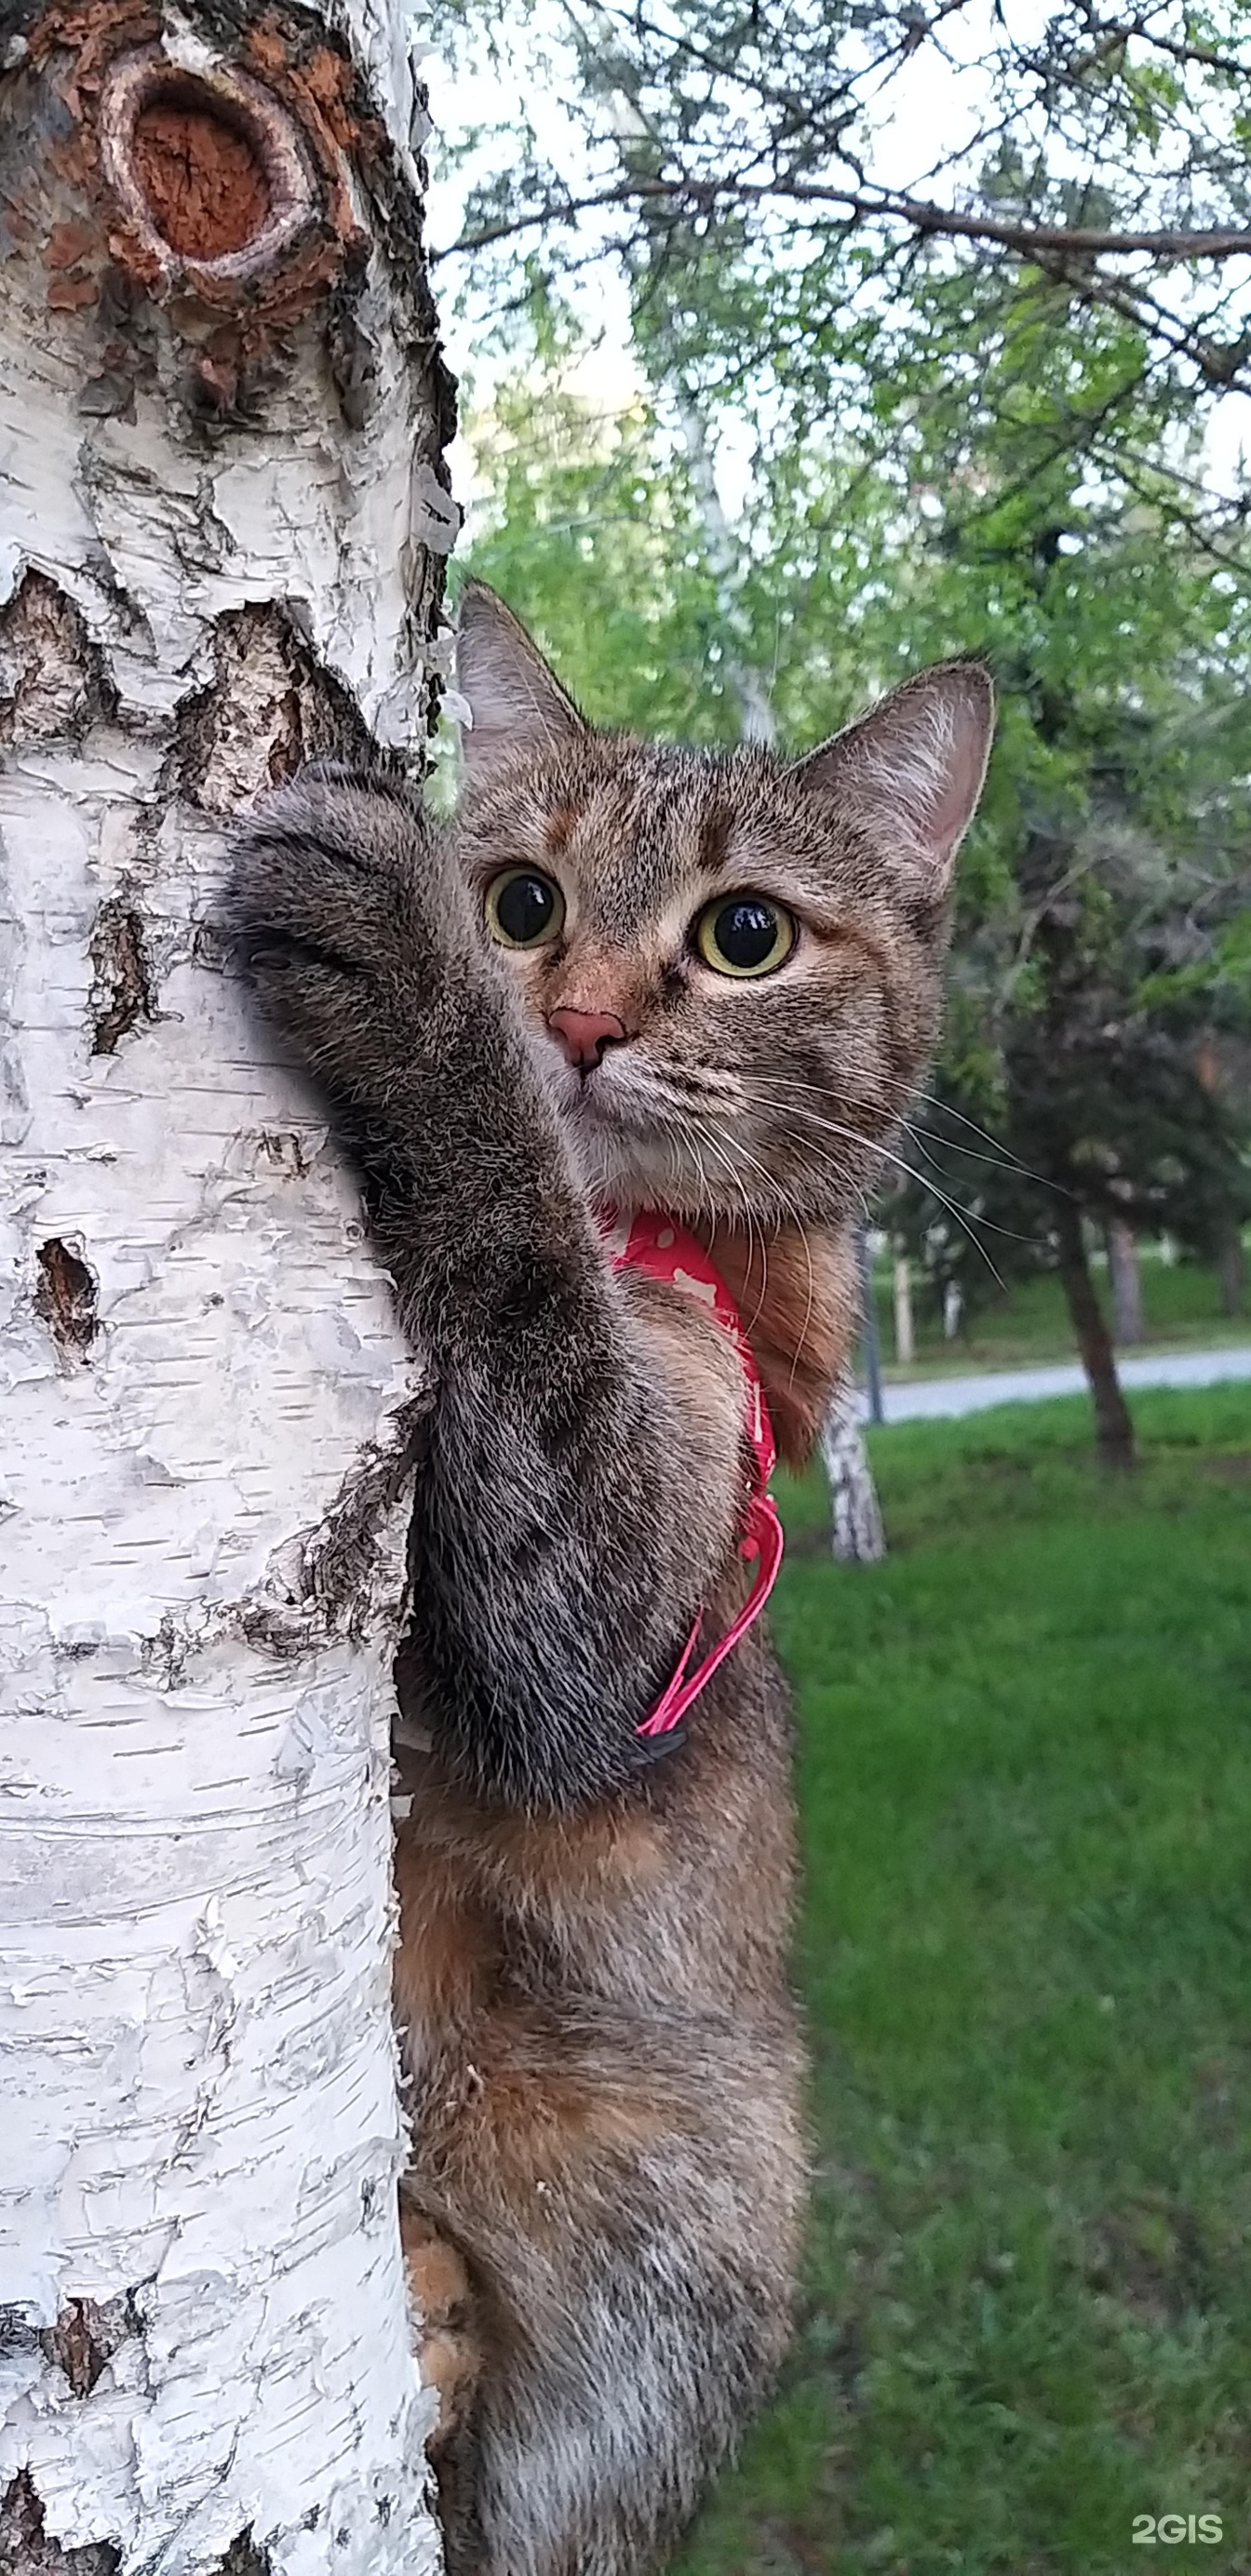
(222, 527)
(856, 1531)
(1231, 1268)
(905, 1338)
(1126, 1281)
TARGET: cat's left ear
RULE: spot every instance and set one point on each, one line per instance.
(913, 768)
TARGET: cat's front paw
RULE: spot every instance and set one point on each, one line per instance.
(326, 905)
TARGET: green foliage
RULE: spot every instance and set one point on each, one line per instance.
(785, 250)
(592, 538)
(1026, 1796)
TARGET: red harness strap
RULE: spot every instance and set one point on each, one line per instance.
(665, 1250)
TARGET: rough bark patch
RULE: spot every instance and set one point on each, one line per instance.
(86, 2336)
(122, 993)
(52, 677)
(26, 2550)
(335, 1588)
(203, 183)
(267, 710)
(339, 1561)
(66, 1298)
(243, 2558)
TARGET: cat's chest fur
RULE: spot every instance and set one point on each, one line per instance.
(795, 1290)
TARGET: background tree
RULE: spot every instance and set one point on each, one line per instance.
(1115, 862)
(222, 529)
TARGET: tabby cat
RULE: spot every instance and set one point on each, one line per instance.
(636, 977)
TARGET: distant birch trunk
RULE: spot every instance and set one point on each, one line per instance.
(1126, 1278)
(748, 685)
(1231, 1268)
(857, 1532)
(905, 1338)
(221, 536)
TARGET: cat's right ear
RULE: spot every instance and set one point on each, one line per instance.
(911, 770)
(516, 701)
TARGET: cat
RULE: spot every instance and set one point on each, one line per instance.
(626, 976)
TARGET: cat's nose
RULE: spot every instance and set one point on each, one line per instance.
(585, 1034)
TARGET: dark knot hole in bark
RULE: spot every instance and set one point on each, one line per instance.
(199, 171)
(66, 1298)
(210, 168)
(121, 995)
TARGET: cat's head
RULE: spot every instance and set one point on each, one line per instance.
(730, 964)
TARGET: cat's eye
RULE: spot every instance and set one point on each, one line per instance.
(746, 935)
(524, 908)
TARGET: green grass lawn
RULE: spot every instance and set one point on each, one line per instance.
(1026, 1792)
(1181, 1310)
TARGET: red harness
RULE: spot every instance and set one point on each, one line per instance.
(665, 1250)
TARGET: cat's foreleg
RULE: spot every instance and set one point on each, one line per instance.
(584, 1473)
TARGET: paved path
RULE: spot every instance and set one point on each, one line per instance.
(933, 1397)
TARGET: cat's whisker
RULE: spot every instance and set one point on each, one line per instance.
(738, 1185)
(853, 1135)
(788, 1212)
(704, 1184)
(808, 1302)
(999, 1153)
(969, 1153)
(1004, 1162)
(679, 1135)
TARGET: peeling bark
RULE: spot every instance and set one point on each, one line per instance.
(223, 526)
(65, 1298)
(122, 995)
(27, 2550)
(85, 2337)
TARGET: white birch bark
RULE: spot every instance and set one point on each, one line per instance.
(749, 685)
(221, 526)
(857, 1535)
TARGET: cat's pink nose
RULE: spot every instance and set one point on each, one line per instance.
(585, 1034)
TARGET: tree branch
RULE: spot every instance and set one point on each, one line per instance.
(697, 195)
